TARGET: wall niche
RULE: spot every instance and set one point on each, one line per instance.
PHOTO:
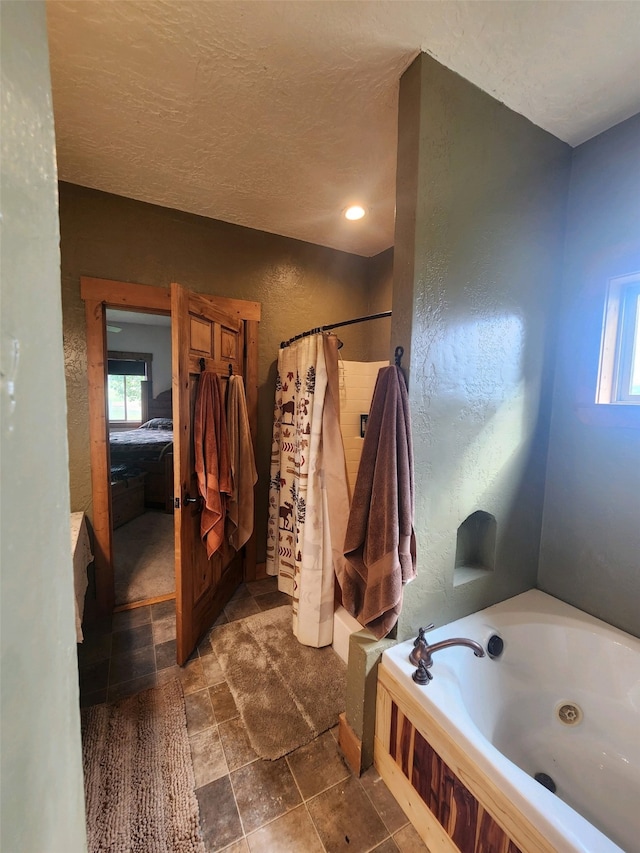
(475, 547)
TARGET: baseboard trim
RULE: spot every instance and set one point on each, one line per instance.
(135, 604)
(261, 571)
(350, 744)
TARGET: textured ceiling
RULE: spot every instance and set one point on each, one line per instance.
(276, 115)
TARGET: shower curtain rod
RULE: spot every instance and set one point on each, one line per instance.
(334, 326)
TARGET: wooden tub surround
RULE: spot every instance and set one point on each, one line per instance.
(453, 805)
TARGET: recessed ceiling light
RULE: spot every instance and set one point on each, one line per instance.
(356, 211)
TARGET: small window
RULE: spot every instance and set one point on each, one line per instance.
(619, 378)
(128, 378)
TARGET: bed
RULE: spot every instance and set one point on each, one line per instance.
(142, 464)
(149, 441)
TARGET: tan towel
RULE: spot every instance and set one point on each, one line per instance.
(243, 467)
(211, 459)
(380, 542)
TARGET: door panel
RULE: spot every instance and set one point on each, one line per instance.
(203, 337)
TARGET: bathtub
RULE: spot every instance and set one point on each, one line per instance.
(562, 699)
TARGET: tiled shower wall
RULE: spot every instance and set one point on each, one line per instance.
(357, 381)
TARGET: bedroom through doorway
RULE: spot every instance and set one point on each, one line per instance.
(140, 427)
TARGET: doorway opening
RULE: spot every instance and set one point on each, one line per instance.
(208, 333)
(140, 416)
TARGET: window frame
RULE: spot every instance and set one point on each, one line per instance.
(146, 385)
(628, 340)
(621, 318)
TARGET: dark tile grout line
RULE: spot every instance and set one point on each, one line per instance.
(235, 800)
(304, 802)
(233, 791)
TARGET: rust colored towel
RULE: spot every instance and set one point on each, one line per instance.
(380, 542)
(243, 467)
(212, 459)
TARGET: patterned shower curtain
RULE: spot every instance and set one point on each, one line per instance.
(308, 497)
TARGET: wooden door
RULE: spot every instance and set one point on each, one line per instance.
(204, 335)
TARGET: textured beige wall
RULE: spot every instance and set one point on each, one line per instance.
(478, 258)
(41, 768)
(298, 285)
(591, 536)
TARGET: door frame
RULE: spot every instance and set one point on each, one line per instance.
(98, 295)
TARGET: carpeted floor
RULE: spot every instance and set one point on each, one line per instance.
(144, 562)
(287, 694)
(138, 775)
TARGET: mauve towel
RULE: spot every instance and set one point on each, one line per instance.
(380, 543)
(212, 459)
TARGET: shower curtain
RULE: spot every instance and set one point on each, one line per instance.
(308, 496)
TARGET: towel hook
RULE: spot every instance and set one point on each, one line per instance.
(230, 370)
(202, 365)
(398, 356)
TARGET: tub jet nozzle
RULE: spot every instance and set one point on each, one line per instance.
(546, 781)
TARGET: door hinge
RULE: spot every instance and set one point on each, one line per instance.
(176, 503)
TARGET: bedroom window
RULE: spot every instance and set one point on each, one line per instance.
(125, 398)
(128, 386)
(619, 377)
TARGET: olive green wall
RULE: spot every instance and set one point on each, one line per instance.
(591, 532)
(299, 286)
(478, 255)
(41, 764)
(380, 295)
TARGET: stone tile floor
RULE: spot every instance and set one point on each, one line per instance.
(305, 802)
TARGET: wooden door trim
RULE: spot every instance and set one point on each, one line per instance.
(98, 294)
(251, 393)
(99, 448)
(244, 309)
(148, 297)
(180, 374)
(124, 294)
